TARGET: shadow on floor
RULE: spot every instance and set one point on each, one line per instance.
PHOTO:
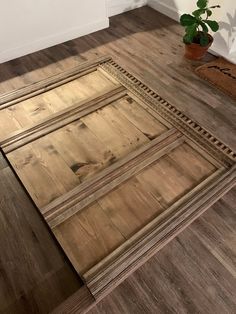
(75, 48)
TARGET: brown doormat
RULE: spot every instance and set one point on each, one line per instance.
(115, 170)
(220, 73)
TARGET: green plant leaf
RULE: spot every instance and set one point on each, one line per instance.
(204, 40)
(202, 4)
(214, 26)
(204, 27)
(198, 12)
(187, 19)
(187, 40)
(191, 31)
(209, 12)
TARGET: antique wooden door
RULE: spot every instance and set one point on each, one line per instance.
(114, 169)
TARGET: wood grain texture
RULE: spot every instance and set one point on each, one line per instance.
(55, 121)
(35, 109)
(140, 200)
(127, 40)
(75, 200)
(79, 302)
(112, 270)
(145, 122)
(187, 275)
(32, 266)
(124, 215)
(67, 157)
(170, 112)
(3, 162)
(31, 90)
(113, 183)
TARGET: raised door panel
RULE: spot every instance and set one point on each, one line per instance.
(40, 107)
(114, 169)
(131, 206)
(70, 155)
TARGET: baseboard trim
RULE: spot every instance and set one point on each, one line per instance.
(52, 40)
(217, 51)
(175, 14)
(119, 6)
(163, 8)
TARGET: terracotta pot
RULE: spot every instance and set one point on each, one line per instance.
(197, 52)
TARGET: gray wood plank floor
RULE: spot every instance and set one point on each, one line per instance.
(34, 274)
(196, 272)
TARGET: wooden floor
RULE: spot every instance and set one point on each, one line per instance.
(34, 274)
(193, 274)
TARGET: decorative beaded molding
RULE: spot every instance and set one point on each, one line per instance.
(186, 125)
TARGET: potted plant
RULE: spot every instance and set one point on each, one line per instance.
(197, 38)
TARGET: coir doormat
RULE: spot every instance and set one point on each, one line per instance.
(220, 73)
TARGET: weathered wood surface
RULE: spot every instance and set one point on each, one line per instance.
(56, 82)
(78, 303)
(37, 108)
(112, 188)
(76, 152)
(129, 208)
(142, 28)
(194, 273)
(102, 174)
(55, 121)
(77, 199)
(35, 276)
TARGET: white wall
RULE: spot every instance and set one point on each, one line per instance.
(172, 8)
(225, 39)
(30, 25)
(118, 6)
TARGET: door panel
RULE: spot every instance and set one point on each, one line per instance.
(37, 108)
(114, 169)
(132, 205)
(76, 152)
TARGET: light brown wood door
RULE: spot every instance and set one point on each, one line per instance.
(114, 169)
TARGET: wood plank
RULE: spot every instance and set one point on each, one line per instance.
(115, 131)
(64, 96)
(12, 97)
(186, 277)
(8, 123)
(153, 237)
(32, 266)
(144, 121)
(166, 180)
(185, 165)
(81, 150)
(80, 302)
(58, 120)
(187, 126)
(97, 237)
(45, 174)
(129, 39)
(134, 204)
(75, 200)
(214, 238)
(3, 162)
(130, 207)
(96, 227)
